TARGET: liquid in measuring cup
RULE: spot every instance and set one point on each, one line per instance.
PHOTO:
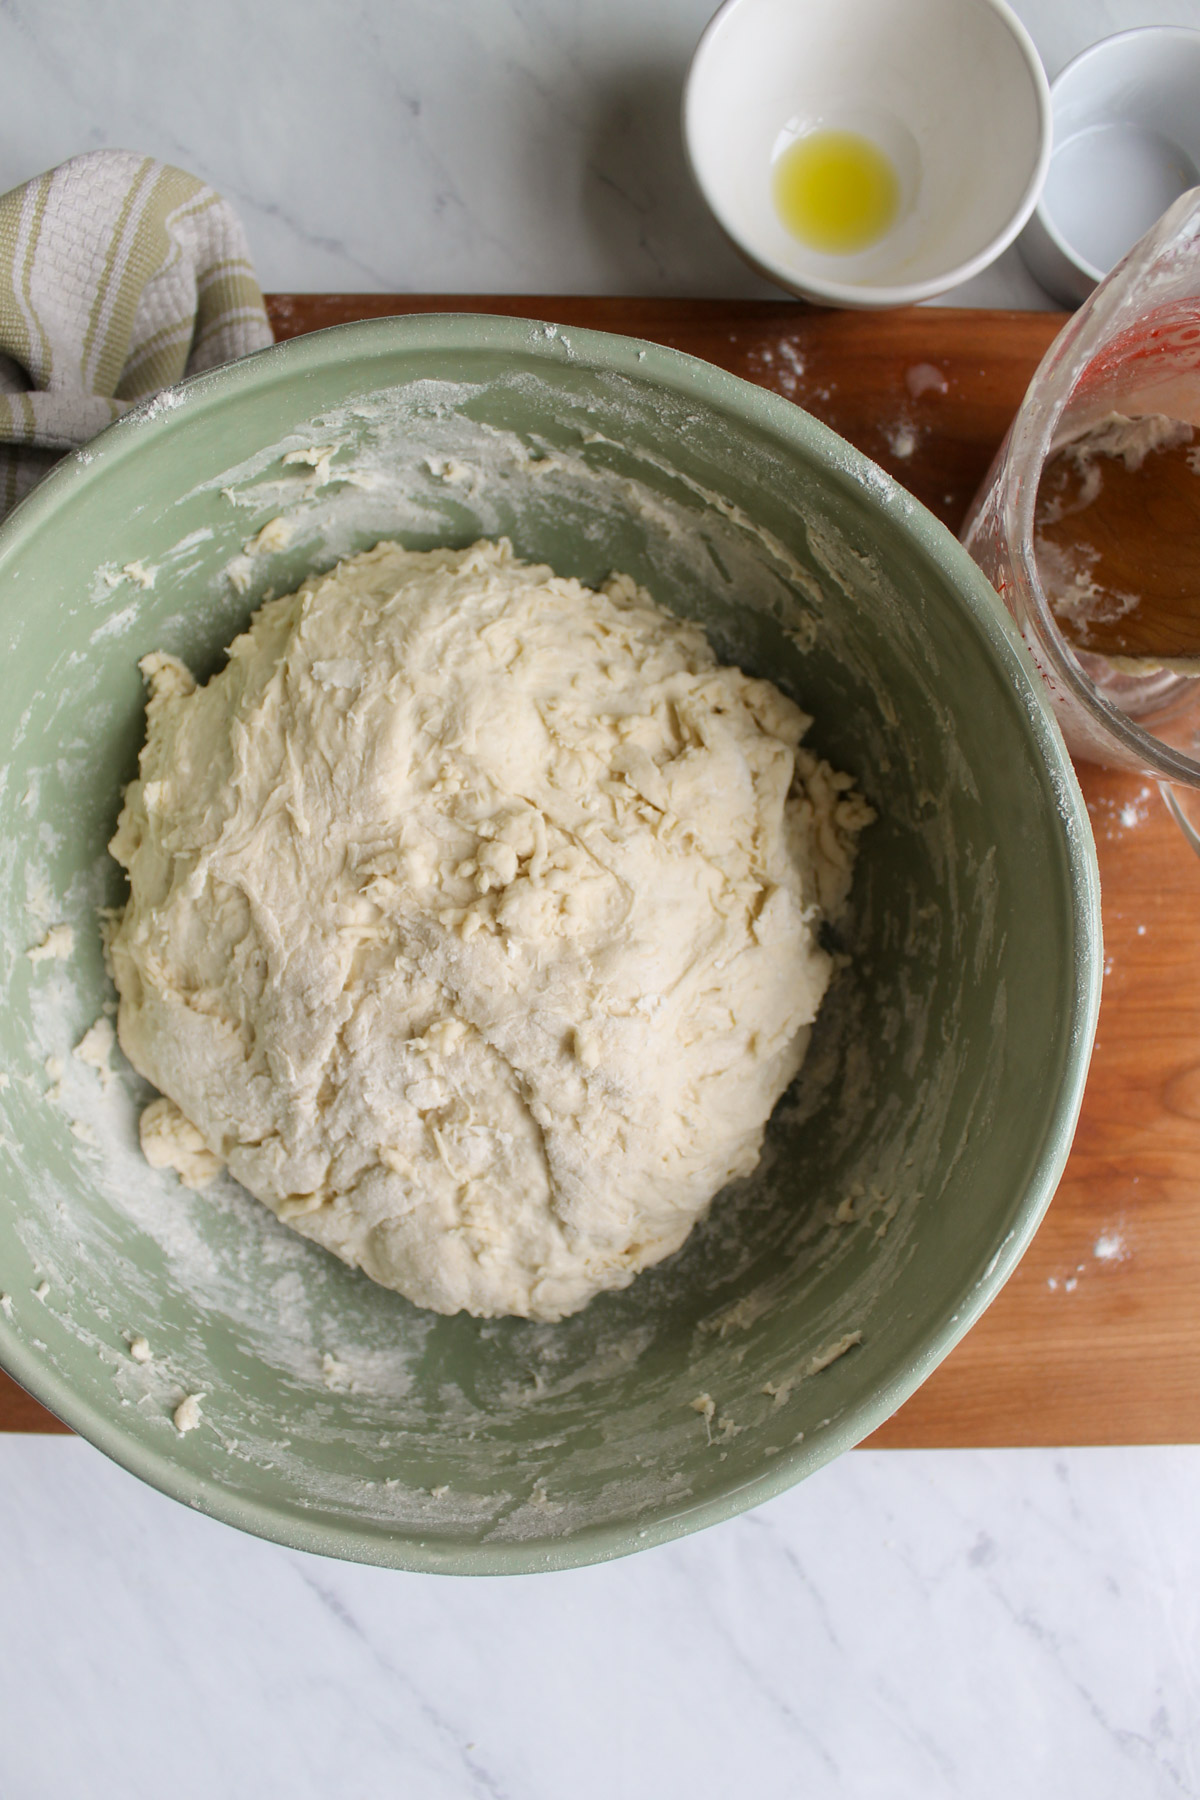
(1117, 541)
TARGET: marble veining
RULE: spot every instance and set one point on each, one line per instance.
(923, 1625)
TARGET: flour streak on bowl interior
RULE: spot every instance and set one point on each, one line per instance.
(333, 1413)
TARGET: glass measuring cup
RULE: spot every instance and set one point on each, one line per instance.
(1133, 348)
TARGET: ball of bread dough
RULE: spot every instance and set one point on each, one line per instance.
(473, 922)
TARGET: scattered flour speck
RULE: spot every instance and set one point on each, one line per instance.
(56, 946)
(335, 1374)
(706, 1406)
(187, 1414)
(275, 534)
(925, 378)
(96, 1046)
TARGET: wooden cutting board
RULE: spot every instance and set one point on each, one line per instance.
(1096, 1339)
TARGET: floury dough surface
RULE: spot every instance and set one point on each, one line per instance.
(474, 922)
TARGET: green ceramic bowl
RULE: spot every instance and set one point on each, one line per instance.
(903, 1175)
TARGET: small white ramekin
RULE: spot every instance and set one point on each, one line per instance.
(1126, 145)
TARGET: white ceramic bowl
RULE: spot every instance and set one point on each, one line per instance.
(951, 91)
(1126, 145)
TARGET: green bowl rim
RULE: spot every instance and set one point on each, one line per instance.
(608, 353)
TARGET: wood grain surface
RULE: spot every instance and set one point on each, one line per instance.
(1096, 1339)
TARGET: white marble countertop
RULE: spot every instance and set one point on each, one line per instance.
(483, 146)
(975, 1625)
(907, 1625)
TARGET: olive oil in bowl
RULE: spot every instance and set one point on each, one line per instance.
(836, 191)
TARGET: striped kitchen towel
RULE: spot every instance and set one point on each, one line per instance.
(118, 276)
